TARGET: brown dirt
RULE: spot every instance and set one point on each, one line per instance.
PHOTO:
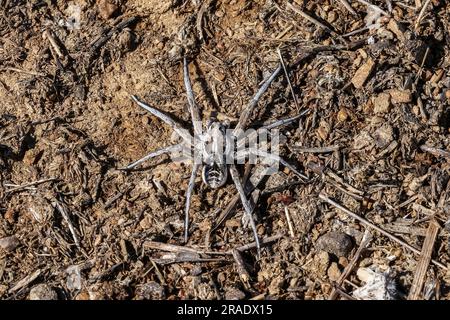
(69, 116)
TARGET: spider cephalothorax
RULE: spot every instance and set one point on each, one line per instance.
(217, 148)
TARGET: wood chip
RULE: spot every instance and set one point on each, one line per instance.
(424, 261)
(400, 96)
(363, 73)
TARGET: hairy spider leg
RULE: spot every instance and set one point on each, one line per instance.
(247, 206)
(242, 122)
(193, 109)
(190, 188)
(273, 157)
(182, 132)
(154, 154)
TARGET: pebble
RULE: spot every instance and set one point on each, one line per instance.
(333, 272)
(383, 136)
(234, 294)
(320, 262)
(9, 243)
(335, 242)
(150, 291)
(43, 292)
(107, 9)
(382, 103)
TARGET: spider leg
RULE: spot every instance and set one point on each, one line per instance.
(167, 119)
(153, 154)
(273, 157)
(247, 111)
(195, 114)
(284, 122)
(188, 199)
(247, 207)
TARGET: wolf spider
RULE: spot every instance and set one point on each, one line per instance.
(208, 153)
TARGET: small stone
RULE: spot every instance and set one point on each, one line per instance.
(363, 73)
(335, 242)
(9, 243)
(342, 115)
(384, 135)
(333, 272)
(343, 262)
(324, 130)
(400, 96)
(234, 294)
(150, 291)
(321, 262)
(43, 292)
(107, 8)
(447, 94)
(126, 40)
(3, 289)
(382, 103)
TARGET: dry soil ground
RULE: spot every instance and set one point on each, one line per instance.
(375, 140)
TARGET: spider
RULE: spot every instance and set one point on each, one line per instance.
(208, 147)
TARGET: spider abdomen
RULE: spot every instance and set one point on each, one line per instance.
(215, 175)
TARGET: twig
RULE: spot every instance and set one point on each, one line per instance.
(348, 7)
(66, 217)
(316, 149)
(289, 222)
(371, 225)
(297, 10)
(179, 249)
(53, 42)
(33, 73)
(100, 41)
(263, 242)
(435, 151)
(116, 197)
(288, 80)
(240, 266)
(31, 184)
(25, 281)
(339, 290)
(373, 6)
(351, 265)
(199, 20)
(424, 261)
(421, 14)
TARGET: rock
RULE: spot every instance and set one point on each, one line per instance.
(333, 272)
(73, 280)
(384, 135)
(320, 263)
(43, 292)
(234, 294)
(363, 73)
(335, 242)
(9, 243)
(400, 96)
(150, 291)
(382, 103)
(342, 114)
(107, 9)
(378, 286)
